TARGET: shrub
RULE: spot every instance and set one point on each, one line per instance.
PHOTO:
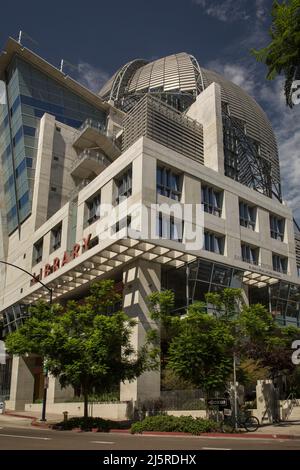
(85, 424)
(175, 424)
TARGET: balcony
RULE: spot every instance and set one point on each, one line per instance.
(89, 164)
(93, 134)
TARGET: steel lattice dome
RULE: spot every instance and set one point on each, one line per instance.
(178, 79)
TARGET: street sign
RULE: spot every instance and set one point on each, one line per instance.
(217, 401)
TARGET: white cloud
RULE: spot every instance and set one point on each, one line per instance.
(91, 77)
(234, 10)
(235, 73)
(260, 10)
(225, 10)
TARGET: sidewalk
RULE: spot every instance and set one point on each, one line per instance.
(285, 427)
(28, 419)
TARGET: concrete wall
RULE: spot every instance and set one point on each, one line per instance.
(193, 413)
(22, 382)
(114, 411)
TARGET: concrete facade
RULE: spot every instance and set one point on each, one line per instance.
(136, 261)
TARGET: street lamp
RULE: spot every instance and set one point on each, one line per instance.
(43, 418)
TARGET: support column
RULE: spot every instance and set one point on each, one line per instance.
(140, 279)
(56, 393)
(22, 383)
(208, 111)
(267, 401)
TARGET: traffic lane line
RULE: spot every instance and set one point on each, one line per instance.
(102, 442)
(214, 448)
(26, 437)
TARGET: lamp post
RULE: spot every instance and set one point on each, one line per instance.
(235, 399)
(43, 418)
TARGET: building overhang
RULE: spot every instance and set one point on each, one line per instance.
(109, 256)
(101, 260)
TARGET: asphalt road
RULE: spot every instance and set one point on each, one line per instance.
(44, 439)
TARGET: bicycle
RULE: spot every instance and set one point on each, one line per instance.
(248, 422)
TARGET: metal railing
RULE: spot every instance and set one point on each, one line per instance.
(94, 124)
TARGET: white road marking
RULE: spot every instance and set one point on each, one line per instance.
(214, 448)
(26, 437)
(102, 442)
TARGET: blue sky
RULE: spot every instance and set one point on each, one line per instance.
(98, 36)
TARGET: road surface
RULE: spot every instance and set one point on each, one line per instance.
(17, 438)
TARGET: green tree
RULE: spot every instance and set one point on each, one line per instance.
(84, 345)
(282, 54)
(161, 309)
(262, 339)
(201, 352)
(226, 303)
(198, 352)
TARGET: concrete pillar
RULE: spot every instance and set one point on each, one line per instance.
(43, 170)
(22, 383)
(267, 401)
(140, 279)
(56, 393)
(208, 111)
(233, 229)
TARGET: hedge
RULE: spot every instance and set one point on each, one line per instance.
(166, 423)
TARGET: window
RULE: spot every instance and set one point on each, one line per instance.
(93, 206)
(56, 237)
(169, 228)
(37, 252)
(277, 227)
(280, 263)
(212, 200)
(123, 223)
(168, 183)
(247, 215)
(18, 136)
(249, 254)
(124, 185)
(23, 200)
(214, 243)
(298, 270)
(29, 131)
(94, 241)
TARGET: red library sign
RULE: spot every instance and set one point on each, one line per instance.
(57, 263)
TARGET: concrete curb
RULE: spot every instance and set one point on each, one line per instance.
(15, 415)
(213, 434)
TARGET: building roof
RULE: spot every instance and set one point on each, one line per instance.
(179, 72)
(13, 47)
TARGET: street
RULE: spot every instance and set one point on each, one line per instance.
(21, 438)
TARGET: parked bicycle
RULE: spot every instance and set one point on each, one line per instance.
(243, 421)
